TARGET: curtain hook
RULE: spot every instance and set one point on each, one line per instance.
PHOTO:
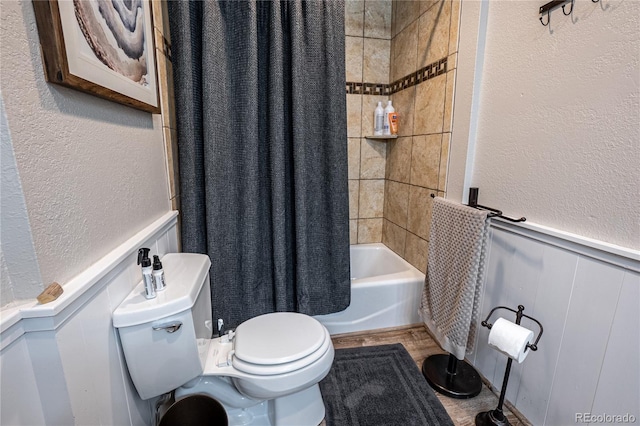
(571, 10)
(548, 19)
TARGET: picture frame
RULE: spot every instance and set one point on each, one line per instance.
(101, 47)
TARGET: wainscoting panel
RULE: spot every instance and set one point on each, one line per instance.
(74, 370)
(592, 307)
(549, 307)
(619, 384)
(589, 308)
(23, 407)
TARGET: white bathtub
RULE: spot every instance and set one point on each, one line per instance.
(385, 292)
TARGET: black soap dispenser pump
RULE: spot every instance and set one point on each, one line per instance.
(158, 274)
(147, 278)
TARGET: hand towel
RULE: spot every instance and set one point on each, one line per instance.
(455, 273)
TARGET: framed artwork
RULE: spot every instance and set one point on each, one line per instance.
(103, 47)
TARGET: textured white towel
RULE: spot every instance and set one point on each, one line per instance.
(455, 271)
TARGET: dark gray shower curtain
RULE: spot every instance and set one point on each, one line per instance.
(261, 116)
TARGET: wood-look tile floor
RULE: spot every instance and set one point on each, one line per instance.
(419, 343)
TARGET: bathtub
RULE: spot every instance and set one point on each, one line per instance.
(385, 292)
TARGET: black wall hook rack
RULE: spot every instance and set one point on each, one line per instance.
(548, 7)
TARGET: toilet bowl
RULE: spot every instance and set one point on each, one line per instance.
(266, 372)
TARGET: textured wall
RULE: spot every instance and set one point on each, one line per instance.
(20, 275)
(93, 172)
(559, 118)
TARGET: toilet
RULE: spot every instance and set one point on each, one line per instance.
(264, 373)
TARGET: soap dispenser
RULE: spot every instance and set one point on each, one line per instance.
(388, 110)
(147, 278)
(158, 274)
(378, 122)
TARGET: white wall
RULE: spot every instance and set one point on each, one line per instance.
(62, 363)
(558, 116)
(547, 125)
(588, 301)
(20, 273)
(92, 172)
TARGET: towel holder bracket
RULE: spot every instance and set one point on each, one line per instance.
(473, 202)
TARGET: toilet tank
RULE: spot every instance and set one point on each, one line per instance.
(165, 340)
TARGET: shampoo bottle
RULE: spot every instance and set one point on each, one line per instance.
(158, 274)
(378, 120)
(389, 109)
(147, 278)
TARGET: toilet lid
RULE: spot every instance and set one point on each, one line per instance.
(278, 338)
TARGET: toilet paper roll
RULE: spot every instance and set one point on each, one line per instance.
(510, 339)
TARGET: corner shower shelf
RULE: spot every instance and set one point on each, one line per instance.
(382, 137)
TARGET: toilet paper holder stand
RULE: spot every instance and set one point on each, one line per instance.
(496, 417)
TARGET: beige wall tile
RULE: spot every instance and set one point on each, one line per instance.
(405, 51)
(419, 215)
(396, 202)
(405, 12)
(399, 159)
(369, 231)
(433, 34)
(171, 147)
(353, 231)
(428, 4)
(452, 61)
(165, 87)
(429, 103)
(354, 17)
(394, 237)
(372, 159)
(444, 162)
(376, 60)
(175, 205)
(404, 104)
(353, 58)
(447, 121)
(161, 17)
(416, 252)
(371, 200)
(353, 152)
(354, 116)
(425, 160)
(455, 23)
(369, 103)
(158, 39)
(354, 195)
(377, 19)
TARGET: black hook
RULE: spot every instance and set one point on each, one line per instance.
(567, 14)
(548, 19)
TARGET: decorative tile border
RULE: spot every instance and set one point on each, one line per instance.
(430, 71)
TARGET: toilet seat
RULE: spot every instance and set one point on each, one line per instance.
(274, 369)
(278, 338)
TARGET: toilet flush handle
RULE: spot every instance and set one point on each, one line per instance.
(171, 327)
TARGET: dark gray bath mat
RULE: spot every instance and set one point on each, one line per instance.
(379, 386)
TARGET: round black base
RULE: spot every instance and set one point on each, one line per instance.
(464, 384)
(490, 418)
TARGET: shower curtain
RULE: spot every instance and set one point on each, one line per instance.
(261, 117)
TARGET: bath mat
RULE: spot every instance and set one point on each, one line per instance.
(379, 385)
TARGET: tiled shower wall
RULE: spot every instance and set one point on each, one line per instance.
(420, 81)
(162, 40)
(368, 43)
